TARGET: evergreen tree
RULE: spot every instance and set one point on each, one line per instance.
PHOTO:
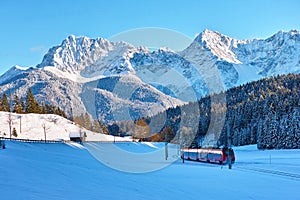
(5, 104)
(60, 112)
(22, 104)
(31, 105)
(43, 108)
(71, 118)
(14, 132)
(113, 129)
(17, 107)
(87, 121)
(104, 128)
(96, 126)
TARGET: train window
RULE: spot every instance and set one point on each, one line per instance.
(203, 155)
(212, 156)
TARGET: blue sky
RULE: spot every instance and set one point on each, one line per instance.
(29, 28)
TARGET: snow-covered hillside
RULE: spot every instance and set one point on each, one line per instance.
(31, 126)
(59, 171)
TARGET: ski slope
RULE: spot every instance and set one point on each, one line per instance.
(61, 171)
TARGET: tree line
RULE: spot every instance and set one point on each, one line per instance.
(85, 121)
(28, 104)
(264, 112)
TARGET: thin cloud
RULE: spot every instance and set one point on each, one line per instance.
(38, 49)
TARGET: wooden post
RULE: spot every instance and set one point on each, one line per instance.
(166, 150)
(20, 124)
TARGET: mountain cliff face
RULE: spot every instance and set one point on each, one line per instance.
(113, 80)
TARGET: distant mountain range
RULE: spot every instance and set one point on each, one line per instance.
(116, 81)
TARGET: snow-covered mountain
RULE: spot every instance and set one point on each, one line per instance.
(108, 78)
(82, 57)
(252, 59)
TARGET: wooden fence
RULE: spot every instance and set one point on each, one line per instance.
(59, 141)
(32, 141)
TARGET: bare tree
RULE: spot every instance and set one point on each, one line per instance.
(10, 123)
(45, 127)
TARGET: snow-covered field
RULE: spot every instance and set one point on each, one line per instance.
(61, 171)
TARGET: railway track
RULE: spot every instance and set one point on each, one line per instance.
(293, 176)
(274, 172)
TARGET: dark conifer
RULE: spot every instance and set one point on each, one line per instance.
(5, 104)
(32, 105)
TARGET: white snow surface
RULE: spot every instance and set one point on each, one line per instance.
(60, 171)
(57, 128)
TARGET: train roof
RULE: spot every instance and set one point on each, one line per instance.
(204, 150)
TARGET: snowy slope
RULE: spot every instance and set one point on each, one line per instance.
(127, 97)
(57, 128)
(12, 73)
(58, 171)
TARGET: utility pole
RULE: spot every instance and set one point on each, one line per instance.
(166, 146)
(166, 150)
(229, 147)
(181, 146)
(20, 124)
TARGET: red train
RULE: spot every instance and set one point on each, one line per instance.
(211, 155)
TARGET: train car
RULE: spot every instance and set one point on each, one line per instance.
(211, 155)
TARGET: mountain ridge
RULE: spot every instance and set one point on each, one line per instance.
(213, 62)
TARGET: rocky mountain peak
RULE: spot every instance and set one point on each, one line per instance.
(219, 45)
(76, 53)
